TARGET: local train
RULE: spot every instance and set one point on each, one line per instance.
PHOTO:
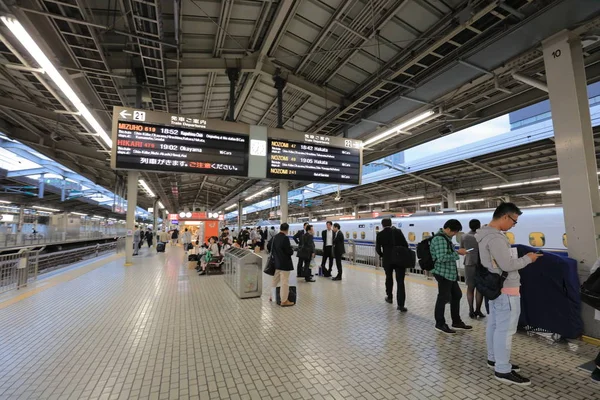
(541, 227)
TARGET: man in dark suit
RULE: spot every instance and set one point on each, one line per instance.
(327, 236)
(338, 250)
(282, 251)
(387, 239)
(298, 240)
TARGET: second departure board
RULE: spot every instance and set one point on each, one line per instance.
(152, 147)
(313, 162)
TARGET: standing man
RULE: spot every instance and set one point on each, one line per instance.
(149, 237)
(137, 236)
(338, 250)
(298, 238)
(387, 239)
(327, 236)
(497, 256)
(282, 251)
(186, 238)
(446, 273)
(469, 243)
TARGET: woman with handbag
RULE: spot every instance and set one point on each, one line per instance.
(306, 253)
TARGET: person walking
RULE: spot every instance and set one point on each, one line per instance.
(137, 237)
(338, 250)
(385, 243)
(306, 253)
(186, 239)
(469, 243)
(497, 256)
(446, 273)
(282, 251)
(149, 237)
(174, 237)
(327, 236)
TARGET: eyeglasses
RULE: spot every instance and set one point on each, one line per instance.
(513, 220)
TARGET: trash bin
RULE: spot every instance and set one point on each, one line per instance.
(243, 272)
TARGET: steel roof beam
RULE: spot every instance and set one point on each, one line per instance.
(487, 169)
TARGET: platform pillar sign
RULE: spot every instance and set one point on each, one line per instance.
(132, 191)
(240, 211)
(567, 86)
(283, 197)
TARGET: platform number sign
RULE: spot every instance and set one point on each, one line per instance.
(556, 53)
(348, 143)
(139, 115)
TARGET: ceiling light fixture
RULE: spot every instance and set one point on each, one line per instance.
(554, 192)
(5, 202)
(431, 205)
(259, 193)
(146, 188)
(231, 207)
(400, 127)
(161, 205)
(469, 201)
(31, 46)
(45, 209)
(507, 185)
(80, 214)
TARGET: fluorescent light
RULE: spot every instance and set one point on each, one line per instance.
(431, 205)
(80, 214)
(406, 199)
(554, 192)
(161, 205)
(544, 180)
(98, 216)
(31, 46)
(146, 188)
(5, 202)
(231, 207)
(533, 182)
(540, 205)
(399, 127)
(259, 193)
(469, 201)
(45, 208)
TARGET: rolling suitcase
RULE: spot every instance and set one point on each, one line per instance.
(160, 247)
(291, 296)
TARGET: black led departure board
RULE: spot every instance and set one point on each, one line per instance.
(154, 147)
(313, 162)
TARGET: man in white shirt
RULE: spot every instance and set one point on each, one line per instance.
(327, 236)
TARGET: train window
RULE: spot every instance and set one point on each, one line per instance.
(425, 235)
(537, 239)
(565, 241)
(354, 235)
(347, 235)
(363, 235)
(459, 236)
(411, 236)
(510, 236)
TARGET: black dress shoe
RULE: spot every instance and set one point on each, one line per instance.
(310, 280)
(402, 309)
(388, 299)
(337, 278)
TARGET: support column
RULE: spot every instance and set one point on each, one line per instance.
(451, 198)
(62, 190)
(279, 85)
(310, 216)
(356, 211)
(233, 74)
(567, 86)
(155, 221)
(132, 191)
(41, 184)
(240, 211)
(283, 200)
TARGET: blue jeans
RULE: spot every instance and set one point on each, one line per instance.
(501, 326)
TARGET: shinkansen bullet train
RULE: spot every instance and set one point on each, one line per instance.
(542, 228)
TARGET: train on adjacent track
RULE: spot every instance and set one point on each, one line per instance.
(541, 227)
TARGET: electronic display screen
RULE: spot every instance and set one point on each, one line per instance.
(313, 162)
(160, 148)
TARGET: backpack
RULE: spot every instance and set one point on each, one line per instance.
(424, 252)
(590, 290)
(488, 283)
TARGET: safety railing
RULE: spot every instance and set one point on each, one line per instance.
(60, 259)
(17, 269)
(121, 245)
(38, 239)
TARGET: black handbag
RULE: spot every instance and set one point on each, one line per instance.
(407, 257)
(590, 290)
(270, 267)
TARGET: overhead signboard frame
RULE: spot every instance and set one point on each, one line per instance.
(163, 142)
(313, 157)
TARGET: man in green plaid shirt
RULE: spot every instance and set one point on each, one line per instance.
(446, 273)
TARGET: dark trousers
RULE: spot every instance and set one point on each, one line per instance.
(327, 254)
(149, 242)
(389, 283)
(448, 292)
(304, 269)
(598, 360)
(338, 264)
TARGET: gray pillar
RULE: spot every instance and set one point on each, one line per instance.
(563, 59)
(310, 216)
(132, 191)
(451, 197)
(62, 190)
(41, 184)
(155, 221)
(283, 200)
(356, 212)
(240, 211)
(21, 219)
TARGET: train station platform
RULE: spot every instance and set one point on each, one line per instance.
(157, 330)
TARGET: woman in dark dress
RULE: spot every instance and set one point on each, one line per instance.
(306, 253)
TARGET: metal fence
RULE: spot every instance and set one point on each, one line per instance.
(19, 269)
(29, 239)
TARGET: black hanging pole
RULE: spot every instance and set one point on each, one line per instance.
(233, 74)
(279, 85)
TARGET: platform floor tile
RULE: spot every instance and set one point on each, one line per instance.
(156, 330)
